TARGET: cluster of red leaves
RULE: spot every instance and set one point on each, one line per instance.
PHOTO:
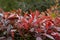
(34, 22)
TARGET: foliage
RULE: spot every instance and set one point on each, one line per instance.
(42, 5)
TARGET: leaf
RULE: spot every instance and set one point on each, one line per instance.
(38, 38)
(49, 36)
